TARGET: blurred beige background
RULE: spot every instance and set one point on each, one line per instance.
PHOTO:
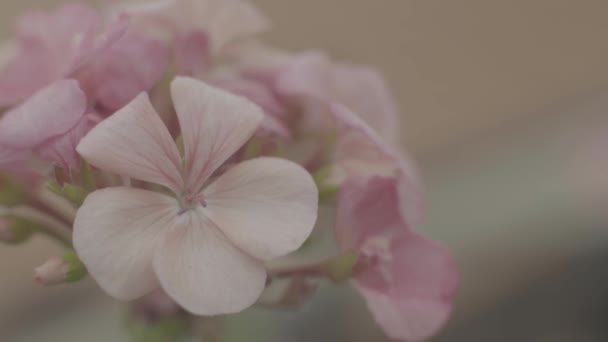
(496, 98)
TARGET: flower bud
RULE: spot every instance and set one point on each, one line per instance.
(66, 269)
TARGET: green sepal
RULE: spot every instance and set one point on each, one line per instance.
(167, 329)
(20, 231)
(253, 149)
(342, 267)
(11, 192)
(75, 268)
(87, 178)
(73, 193)
(327, 191)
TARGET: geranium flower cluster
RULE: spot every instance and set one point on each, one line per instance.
(179, 157)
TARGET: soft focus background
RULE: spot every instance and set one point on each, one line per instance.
(505, 107)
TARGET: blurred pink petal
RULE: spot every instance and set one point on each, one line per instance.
(49, 113)
(12, 160)
(53, 46)
(62, 149)
(419, 300)
(361, 152)
(50, 123)
(203, 271)
(115, 234)
(267, 206)
(192, 54)
(225, 21)
(207, 255)
(410, 281)
(314, 76)
(210, 138)
(262, 95)
(134, 142)
(135, 63)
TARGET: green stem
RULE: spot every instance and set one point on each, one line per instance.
(49, 224)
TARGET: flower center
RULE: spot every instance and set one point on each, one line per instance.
(190, 201)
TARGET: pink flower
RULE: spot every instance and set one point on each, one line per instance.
(49, 124)
(205, 245)
(53, 46)
(409, 281)
(313, 76)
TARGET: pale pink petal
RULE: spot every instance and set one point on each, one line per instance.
(53, 45)
(423, 284)
(192, 54)
(312, 76)
(364, 90)
(368, 208)
(134, 142)
(255, 90)
(360, 152)
(229, 20)
(203, 271)
(61, 150)
(261, 94)
(266, 206)
(12, 160)
(32, 60)
(135, 63)
(72, 34)
(115, 235)
(308, 74)
(214, 125)
(225, 21)
(49, 113)
(8, 50)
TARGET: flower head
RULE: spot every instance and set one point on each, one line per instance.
(408, 280)
(204, 245)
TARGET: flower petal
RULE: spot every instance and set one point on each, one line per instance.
(53, 45)
(203, 271)
(49, 113)
(61, 150)
(423, 284)
(134, 142)
(214, 125)
(266, 206)
(115, 234)
(192, 54)
(224, 20)
(14, 161)
(360, 152)
(367, 209)
(135, 63)
(312, 75)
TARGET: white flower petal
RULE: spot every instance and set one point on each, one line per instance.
(203, 271)
(134, 142)
(115, 233)
(267, 206)
(214, 125)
